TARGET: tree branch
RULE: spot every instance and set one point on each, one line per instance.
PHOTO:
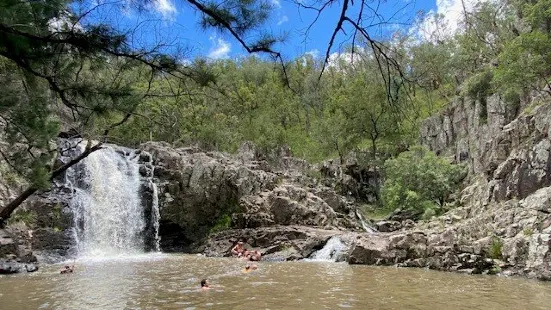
(6, 212)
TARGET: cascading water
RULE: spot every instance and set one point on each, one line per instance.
(110, 216)
(365, 226)
(332, 251)
(155, 218)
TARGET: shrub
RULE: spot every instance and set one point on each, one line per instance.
(223, 223)
(24, 216)
(479, 85)
(419, 180)
(496, 248)
(428, 214)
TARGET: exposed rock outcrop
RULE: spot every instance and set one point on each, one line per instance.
(275, 243)
(504, 213)
(200, 192)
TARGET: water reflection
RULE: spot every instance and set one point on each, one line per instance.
(172, 282)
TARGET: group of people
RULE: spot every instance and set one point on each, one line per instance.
(240, 251)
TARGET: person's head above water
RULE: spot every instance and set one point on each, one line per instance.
(205, 283)
(251, 267)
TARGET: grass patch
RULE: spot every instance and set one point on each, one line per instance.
(529, 110)
(528, 231)
(223, 223)
(23, 216)
(496, 248)
(375, 213)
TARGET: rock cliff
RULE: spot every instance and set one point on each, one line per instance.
(203, 192)
(503, 219)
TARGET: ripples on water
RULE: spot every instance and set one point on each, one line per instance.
(162, 281)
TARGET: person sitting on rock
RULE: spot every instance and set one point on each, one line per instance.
(246, 255)
(205, 285)
(255, 256)
(67, 269)
(238, 249)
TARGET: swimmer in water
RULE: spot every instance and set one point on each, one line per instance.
(67, 269)
(205, 285)
(250, 268)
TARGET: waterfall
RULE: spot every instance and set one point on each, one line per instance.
(111, 216)
(155, 218)
(366, 227)
(334, 250)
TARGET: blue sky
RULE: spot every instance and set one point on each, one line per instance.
(175, 23)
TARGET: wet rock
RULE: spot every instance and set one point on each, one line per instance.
(31, 267)
(373, 250)
(388, 226)
(52, 242)
(275, 243)
(7, 245)
(9, 267)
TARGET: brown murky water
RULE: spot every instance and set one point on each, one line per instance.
(171, 282)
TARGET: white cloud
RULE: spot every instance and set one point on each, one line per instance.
(313, 53)
(276, 4)
(63, 23)
(445, 20)
(283, 20)
(165, 8)
(220, 48)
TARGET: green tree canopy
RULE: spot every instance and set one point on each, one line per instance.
(418, 179)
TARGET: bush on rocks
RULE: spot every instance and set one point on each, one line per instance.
(419, 180)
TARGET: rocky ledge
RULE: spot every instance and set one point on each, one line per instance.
(201, 193)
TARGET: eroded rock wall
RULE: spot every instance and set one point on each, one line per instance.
(504, 212)
(202, 192)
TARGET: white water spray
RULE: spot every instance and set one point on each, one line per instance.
(332, 251)
(156, 217)
(109, 215)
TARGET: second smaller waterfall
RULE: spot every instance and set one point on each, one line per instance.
(334, 251)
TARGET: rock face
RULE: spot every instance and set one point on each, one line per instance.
(354, 180)
(15, 255)
(290, 204)
(505, 212)
(200, 192)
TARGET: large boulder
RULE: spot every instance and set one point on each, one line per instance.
(198, 190)
(289, 204)
(202, 192)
